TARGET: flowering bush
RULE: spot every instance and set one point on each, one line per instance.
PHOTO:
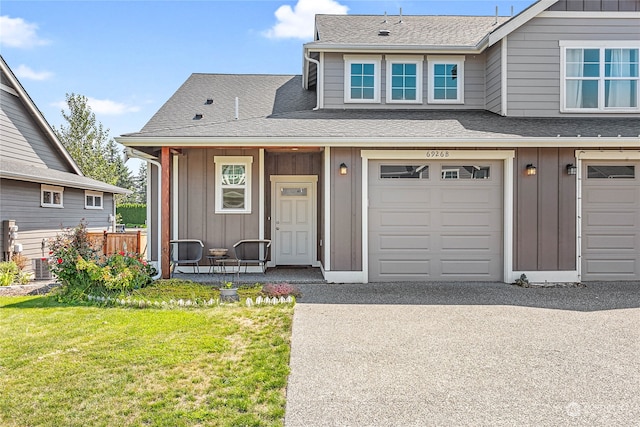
(280, 290)
(81, 270)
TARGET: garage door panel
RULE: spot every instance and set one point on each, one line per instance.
(612, 219)
(612, 268)
(605, 196)
(404, 242)
(403, 219)
(405, 268)
(466, 243)
(460, 267)
(466, 220)
(403, 196)
(465, 196)
(615, 242)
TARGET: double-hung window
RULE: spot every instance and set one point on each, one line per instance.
(233, 184)
(404, 79)
(446, 79)
(92, 200)
(51, 196)
(362, 78)
(599, 77)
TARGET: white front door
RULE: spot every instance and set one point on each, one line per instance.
(293, 220)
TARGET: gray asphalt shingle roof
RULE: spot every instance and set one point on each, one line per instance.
(413, 30)
(278, 107)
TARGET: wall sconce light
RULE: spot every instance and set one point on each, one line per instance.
(343, 169)
(572, 169)
(531, 170)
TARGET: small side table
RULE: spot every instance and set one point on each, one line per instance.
(217, 261)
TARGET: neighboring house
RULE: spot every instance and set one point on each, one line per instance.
(41, 187)
(420, 148)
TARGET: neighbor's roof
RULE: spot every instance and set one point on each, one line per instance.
(23, 171)
(278, 108)
(443, 31)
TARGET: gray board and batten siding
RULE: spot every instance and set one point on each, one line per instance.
(474, 84)
(22, 140)
(596, 6)
(533, 59)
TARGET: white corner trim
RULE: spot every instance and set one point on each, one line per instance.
(175, 198)
(261, 198)
(326, 244)
(320, 82)
(504, 78)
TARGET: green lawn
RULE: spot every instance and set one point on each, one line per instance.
(63, 365)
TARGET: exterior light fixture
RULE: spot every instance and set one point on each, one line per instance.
(572, 169)
(531, 170)
(343, 169)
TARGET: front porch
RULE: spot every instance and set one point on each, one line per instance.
(293, 275)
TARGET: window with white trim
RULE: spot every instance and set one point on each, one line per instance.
(404, 80)
(600, 77)
(51, 196)
(93, 199)
(446, 79)
(233, 184)
(362, 78)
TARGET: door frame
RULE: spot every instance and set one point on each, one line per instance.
(293, 179)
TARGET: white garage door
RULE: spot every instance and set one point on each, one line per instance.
(611, 221)
(435, 220)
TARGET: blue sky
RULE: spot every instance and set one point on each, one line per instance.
(129, 57)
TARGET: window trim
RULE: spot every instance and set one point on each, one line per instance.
(433, 60)
(221, 161)
(601, 45)
(93, 195)
(376, 60)
(52, 189)
(418, 61)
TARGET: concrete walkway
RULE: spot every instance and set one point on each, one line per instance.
(465, 354)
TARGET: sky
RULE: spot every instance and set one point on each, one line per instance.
(129, 57)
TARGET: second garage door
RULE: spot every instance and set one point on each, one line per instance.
(435, 221)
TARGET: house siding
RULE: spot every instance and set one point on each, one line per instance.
(534, 60)
(22, 139)
(474, 86)
(20, 201)
(596, 6)
(493, 85)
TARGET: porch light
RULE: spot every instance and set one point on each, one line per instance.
(572, 169)
(343, 169)
(531, 170)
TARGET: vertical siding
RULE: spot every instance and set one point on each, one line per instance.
(493, 85)
(596, 5)
(545, 211)
(474, 86)
(534, 59)
(346, 211)
(21, 139)
(20, 200)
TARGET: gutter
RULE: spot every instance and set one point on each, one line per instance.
(135, 154)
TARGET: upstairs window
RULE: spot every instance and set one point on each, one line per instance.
(51, 196)
(92, 200)
(600, 78)
(233, 184)
(446, 80)
(362, 79)
(404, 80)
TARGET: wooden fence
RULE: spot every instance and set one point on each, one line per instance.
(111, 243)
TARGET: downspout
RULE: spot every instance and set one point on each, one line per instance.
(318, 80)
(131, 153)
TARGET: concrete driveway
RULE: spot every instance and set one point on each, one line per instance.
(465, 354)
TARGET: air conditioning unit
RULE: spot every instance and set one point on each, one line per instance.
(41, 269)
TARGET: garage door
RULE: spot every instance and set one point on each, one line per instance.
(435, 220)
(611, 221)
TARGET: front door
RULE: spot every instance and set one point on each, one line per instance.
(293, 221)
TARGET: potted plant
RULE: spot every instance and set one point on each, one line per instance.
(228, 292)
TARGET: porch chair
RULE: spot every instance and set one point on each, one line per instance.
(186, 251)
(252, 252)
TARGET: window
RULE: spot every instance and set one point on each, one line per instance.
(51, 196)
(600, 78)
(92, 200)
(404, 79)
(362, 78)
(611, 172)
(466, 172)
(446, 79)
(233, 184)
(404, 171)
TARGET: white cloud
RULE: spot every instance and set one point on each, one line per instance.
(24, 72)
(297, 22)
(16, 32)
(105, 107)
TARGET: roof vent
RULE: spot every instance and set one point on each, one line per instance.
(198, 116)
(384, 32)
(209, 101)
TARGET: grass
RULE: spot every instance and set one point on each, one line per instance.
(63, 365)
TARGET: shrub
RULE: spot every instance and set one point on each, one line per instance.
(280, 290)
(20, 260)
(134, 214)
(8, 273)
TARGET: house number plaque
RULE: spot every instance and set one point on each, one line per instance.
(433, 154)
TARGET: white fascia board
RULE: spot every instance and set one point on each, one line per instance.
(602, 15)
(587, 142)
(519, 20)
(404, 48)
(63, 183)
(607, 155)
